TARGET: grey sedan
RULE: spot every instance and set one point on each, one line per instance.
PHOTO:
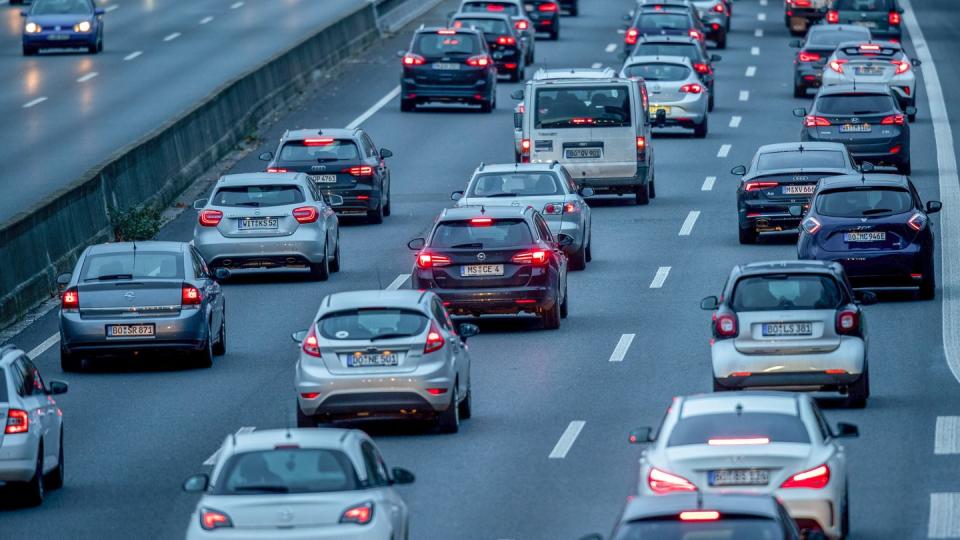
(140, 296)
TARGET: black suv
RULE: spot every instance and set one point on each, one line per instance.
(506, 46)
(545, 15)
(497, 260)
(451, 65)
(344, 162)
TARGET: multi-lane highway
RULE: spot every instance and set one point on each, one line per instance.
(545, 454)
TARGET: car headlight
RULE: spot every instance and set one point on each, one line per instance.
(82, 26)
(31, 28)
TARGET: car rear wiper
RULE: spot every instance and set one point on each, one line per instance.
(389, 335)
(250, 204)
(873, 211)
(109, 277)
(478, 245)
(268, 488)
(502, 195)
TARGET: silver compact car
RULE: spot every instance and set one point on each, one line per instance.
(774, 443)
(31, 444)
(298, 484)
(269, 221)
(383, 354)
(790, 324)
(674, 88)
(141, 296)
(875, 62)
(549, 188)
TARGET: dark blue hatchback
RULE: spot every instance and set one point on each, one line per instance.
(62, 24)
(876, 227)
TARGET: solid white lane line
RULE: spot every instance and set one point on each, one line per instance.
(206, 20)
(620, 351)
(751, 71)
(376, 107)
(236, 5)
(708, 183)
(735, 121)
(597, 65)
(398, 282)
(172, 36)
(947, 435)
(43, 347)
(755, 51)
(724, 151)
(33, 102)
(944, 514)
(108, 9)
(761, 16)
(132, 55)
(758, 32)
(88, 76)
(661, 277)
(212, 460)
(567, 439)
(611, 47)
(688, 223)
(744, 95)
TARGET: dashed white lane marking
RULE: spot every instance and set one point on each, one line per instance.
(597, 65)
(735, 121)
(947, 435)
(758, 32)
(944, 515)
(236, 5)
(567, 439)
(708, 183)
(108, 9)
(33, 102)
(744, 95)
(761, 16)
(376, 107)
(206, 20)
(132, 55)
(660, 277)
(755, 51)
(212, 460)
(724, 151)
(44, 347)
(611, 47)
(621, 31)
(688, 223)
(87, 77)
(398, 282)
(172, 36)
(620, 351)
(751, 71)
(763, 2)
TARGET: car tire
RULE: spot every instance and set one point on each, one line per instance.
(643, 194)
(928, 287)
(722, 43)
(375, 216)
(565, 305)
(220, 347)
(34, 490)
(490, 104)
(335, 263)
(466, 406)
(29, 51)
(589, 251)
(799, 91)
(700, 130)
(653, 188)
(448, 421)
(321, 271)
(204, 358)
(407, 105)
(710, 103)
(70, 362)
(859, 391)
(555, 35)
(55, 477)
(748, 236)
(303, 420)
(904, 167)
(550, 318)
(387, 208)
(578, 261)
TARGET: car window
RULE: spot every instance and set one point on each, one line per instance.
(780, 292)
(23, 381)
(203, 264)
(376, 472)
(519, 184)
(658, 72)
(831, 38)
(440, 315)
(287, 470)
(257, 196)
(487, 26)
(822, 425)
(61, 7)
(432, 44)
(35, 381)
(873, 202)
(854, 104)
(664, 21)
(132, 265)
(722, 529)
(722, 428)
(543, 229)
(371, 323)
(807, 159)
(668, 49)
(319, 149)
(482, 233)
(864, 5)
(491, 7)
(582, 107)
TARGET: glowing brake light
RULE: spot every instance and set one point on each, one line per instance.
(70, 299)
(870, 47)
(322, 141)
(311, 345)
(434, 340)
(506, 40)
(276, 170)
(537, 257)
(18, 421)
(212, 519)
(692, 88)
(664, 482)
(481, 60)
(411, 59)
(362, 170)
(694, 34)
(726, 325)
(816, 478)
(902, 66)
(481, 222)
(306, 214)
(581, 121)
(190, 295)
(447, 32)
(700, 515)
(815, 121)
(893, 18)
(755, 186)
(494, 7)
(548, 7)
(703, 69)
(808, 57)
(521, 25)
(719, 8)
(848, 322)
(210, 218)
(430, 260)
(631, 37)
(893, 119)
(917, 221)
(751, 441)
(811, 225)
(833, 17)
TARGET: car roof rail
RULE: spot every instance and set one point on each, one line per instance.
(480, 168)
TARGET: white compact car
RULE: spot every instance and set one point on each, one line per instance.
(877, 63)
(677, 96)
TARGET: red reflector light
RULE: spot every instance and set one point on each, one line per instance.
(801, 3)
(322, 141)
(548, 7)
(363, 197)
(750, 441)
(410, 59)
(306, 214)
(816, 478)
(309, 395)
(311, 345)
(815, 121)
(436, 391)
(837, 65)
(631, 37)
(18, 421)
(916, 276)
(833, 17)
(703, 69)
(664, 482)
(755, 186)
(741, 374)
(362, 170)
(536, 257)
(836, 371)
(434, 340)
(190, 295)
(700, 515)
(506, 40)
(276, 170)
(212, 519)
(526, 301)
(895, 149)
(430, 260)
(808, 57)
(692, 88)
(360, 514)
(481, 222)
(210, 218)
(893, 18)
(70, 299)
(510, 65)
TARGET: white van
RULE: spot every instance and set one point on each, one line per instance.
(598, 129)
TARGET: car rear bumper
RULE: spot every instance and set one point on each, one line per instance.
(379, 529)
(884, 270)
(877, 151)
(505, 301)
(814, 508)
(74, 40)
(298, 250)
(801, 369)
(624, 184)
(18, 457)
(480, 90)
(187, 331)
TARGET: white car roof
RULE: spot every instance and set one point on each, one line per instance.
(748, 403)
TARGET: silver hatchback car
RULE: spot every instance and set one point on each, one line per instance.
(286, 484)
(383, 354)
(269, 221)
(790, 324)
(677, 96)
(31, 444)
(549, 188)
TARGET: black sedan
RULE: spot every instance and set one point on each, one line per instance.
(506, 46)
(819, 44)
(876, 227)
(545, 15)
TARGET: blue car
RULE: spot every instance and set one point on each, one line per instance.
(876, 227)
(62, 24)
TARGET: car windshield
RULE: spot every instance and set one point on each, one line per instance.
(784, 292)
(730, 428)
(688, 50)
(658, 72)
(257, 196)
(498, 233)
(864, 5)
(575, 107)
(132, 265)
(372, 323)
(61, 7)
(487, 26)
(875, 202)
(664, 21)
(431, 44)
(527, 184)
(319, 150)
(795, 159)
(831, 38)
(287, 470)
(854, 104)
(722, 529)
(490, 7)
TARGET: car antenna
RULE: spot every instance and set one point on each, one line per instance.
(483, 209)
(739, 409)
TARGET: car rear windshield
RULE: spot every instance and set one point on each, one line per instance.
(688, 50)
(575, 107)
(431, 44)
(499, 233)
(776, 428)
(783, 292)
(61, 7)
(490, 7)
(808, 159)
(487, 26)
(258, 196)
(864, 5)
(323, 150)
(374, 323)
(658, 72)
(854, 104)
(293, 470)
(527, 184)
(831, 38)
(864, 202)
(664, 21)
(127, 265)
(4, 398)
(721, 529)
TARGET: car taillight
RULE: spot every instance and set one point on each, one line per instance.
(525, 151)
(190, 295)
(311, 345)
(917, 221)
(494, 7)
(552, 209)
(694, 34)
(893, 119)
(808, 57)
(430, 260)
(755, 186)
(18, 421)
(893, 18)
(719, 8)
(699, 515)
(360, 514)
(816, 478)
(571, 208)
(276, 170)
(664, 482)
(631, 37)
(521, 25)
(411, 59)
(434, 340)
(480, 60)
(537, 257)
(837, 65)
(481, 222)
(801, 3)
(725, 324)
(815, 121)
(833, 17)
(506, 40)
(692, 88)
(306, 214)
(902, 66)
(703, 69)
(848, 322)
(70, 299)
(810, 225)
(362, 170)
(318, 141)
(641, 146)
(549, 7)
(212, 519)
(210, 218)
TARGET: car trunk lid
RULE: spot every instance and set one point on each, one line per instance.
(130, 299)
(787, 332)
(283, 511)
(372, 358)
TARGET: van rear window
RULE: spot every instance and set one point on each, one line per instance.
(582, 107)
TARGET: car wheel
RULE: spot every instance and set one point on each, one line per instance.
(722, 43)
(589, 251)
(204, 357)
(530, 55)
(466, 406)
(386, 206)
(321, 271)
(859, 391)
(69, 361)
(748, 235)
(565, 306)
(700, 130)
(407, 105)
(375, 216)
(335, 263)
(578, 261)
(653, 188)
(220, 347)
(54, 478)
(303, 420)
(710, 103)
(799, 91)
(550, 318)
(643, 194)
(29, 51)
(904, 167)
(34, 490)
(449, 420)
(555, 35)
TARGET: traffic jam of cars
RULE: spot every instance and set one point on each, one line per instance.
(756, 458)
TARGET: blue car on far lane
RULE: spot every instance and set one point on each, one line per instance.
(62, 24)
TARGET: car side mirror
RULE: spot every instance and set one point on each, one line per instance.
(299, 336)
(334, 199)
(64, 279)
(739, 170)
(99, 11)
(266, 156)
(456, 195)
(900, 10)
(641, 436)
(55, 387)
(915, 62)
(564, 239)
(866, 167)
(587, 192)
(710, 303)
(796, 43)
(715, 58)
(866, 298)
(627, 17)
(402, 476)
(416, 244)
(197, 483)
(467, 330)
(221, 274)
(934, 206)
(517, 120)
(846, 431)
(517, 94)
(384, 153)
(800, 112)
(199, 204)
(910, 110)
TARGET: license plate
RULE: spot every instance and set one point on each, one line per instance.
(497, 55)
(865, 24)
(372, 360)
(803, 189)
(655, 108)
(474, 270)
(855, 128)
(324, 178)
(788, 329)
(528, 7)
(131, 330)
(247, 224)
(583, 153)
(739, 477)
(869, 70)
(58, 37)
(446, 65)
(878, 236)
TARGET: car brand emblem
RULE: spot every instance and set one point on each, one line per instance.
(481, 256)
(854, 120)
(801, 178)
(129, 295)
(57, 28)
(318, 168)
(863, 220)
(256, 212)
(285, 515)
(736, 459)
(656, 88)
(515, 203)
